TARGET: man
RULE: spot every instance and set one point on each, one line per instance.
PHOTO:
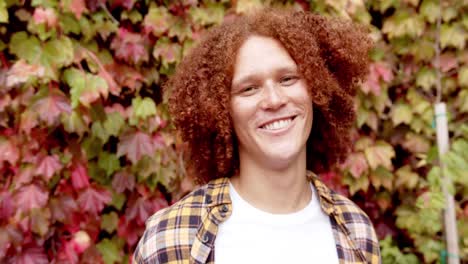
(262, 102)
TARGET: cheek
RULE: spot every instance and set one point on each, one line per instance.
(241, 111)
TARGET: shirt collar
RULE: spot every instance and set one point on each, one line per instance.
(218, 192)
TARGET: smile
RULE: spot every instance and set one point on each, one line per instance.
(277, 124)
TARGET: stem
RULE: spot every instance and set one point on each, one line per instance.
(437, 61)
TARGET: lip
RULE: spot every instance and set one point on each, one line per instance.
(281, 131)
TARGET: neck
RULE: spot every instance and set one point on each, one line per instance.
(278, 191)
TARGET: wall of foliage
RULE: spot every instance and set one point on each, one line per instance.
(88, 152)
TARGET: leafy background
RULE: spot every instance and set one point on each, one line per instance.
(88, 151)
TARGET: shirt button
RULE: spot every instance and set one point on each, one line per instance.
(224, 208)
(206, 238)
(208, 199)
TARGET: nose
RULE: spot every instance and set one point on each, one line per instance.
(272, 97)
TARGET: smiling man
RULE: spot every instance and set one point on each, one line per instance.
(263, 102)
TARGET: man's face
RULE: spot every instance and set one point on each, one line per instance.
(270, 106)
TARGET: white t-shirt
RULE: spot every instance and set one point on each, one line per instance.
(250, 235)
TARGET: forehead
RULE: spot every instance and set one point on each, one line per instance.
(261, 55)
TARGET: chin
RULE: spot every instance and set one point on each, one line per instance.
(279, 161)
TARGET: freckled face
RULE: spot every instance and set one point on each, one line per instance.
(270, 106)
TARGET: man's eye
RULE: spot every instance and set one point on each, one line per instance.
(289, 80)
(249, 89)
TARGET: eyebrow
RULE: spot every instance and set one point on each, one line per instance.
(250, 77)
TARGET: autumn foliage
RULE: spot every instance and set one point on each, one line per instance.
(88, 151)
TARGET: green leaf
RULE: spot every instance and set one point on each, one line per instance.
(406, 178)
(118, 200)
(180, 29)
(85, 87)
(430, 10)
(362, 143)
(452, 36)
(109, 251)
(58, 52)
(380, 154)
(108, 162)
(213, 13)
(3, 12)
(109, 222)
(401, 114)
(416, 143)
(382, 177)
(114, 123)
(403, 24)
(157, 20)
(40, 220)
(26, 47)
(418, 103)
(134, 16)
(463, 76)
(449, 13)
(426, 78)
(355, 185)
(44, 3)
(92, 147)
(69, 24)
(167, 52)
(74, 123)
(244, 6)
(143, 107)
(98, 131)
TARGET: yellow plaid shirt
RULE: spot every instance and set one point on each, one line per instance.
(186, 231)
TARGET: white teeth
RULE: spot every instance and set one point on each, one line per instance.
(277, 124)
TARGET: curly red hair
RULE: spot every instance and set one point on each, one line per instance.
(332, 57)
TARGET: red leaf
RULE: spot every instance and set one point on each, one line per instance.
(28, 121)
(78, 7)
(129, 231)
(79, 176)
(50, 107)
(62, 208)
(30, 255)
(128, 4)
(21, 71)
(5, 101)
(356, 164)
(31, 196)
(129, 46)
(93, 199)
(332, 180)
(123, 180)
(384, 71)
(6, 205)
(125, 76)
(447, 62)
(142, 208)
(116, 108)
(48, 166)
(25, 175)
(45, 15)
(135, 145)
(377, 71)
(8, 152)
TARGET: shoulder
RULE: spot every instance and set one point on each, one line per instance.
(171, 228)
(359, 227)
(352, 222)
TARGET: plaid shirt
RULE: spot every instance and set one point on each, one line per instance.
(186, 231)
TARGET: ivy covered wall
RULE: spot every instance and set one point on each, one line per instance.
(88, 151)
